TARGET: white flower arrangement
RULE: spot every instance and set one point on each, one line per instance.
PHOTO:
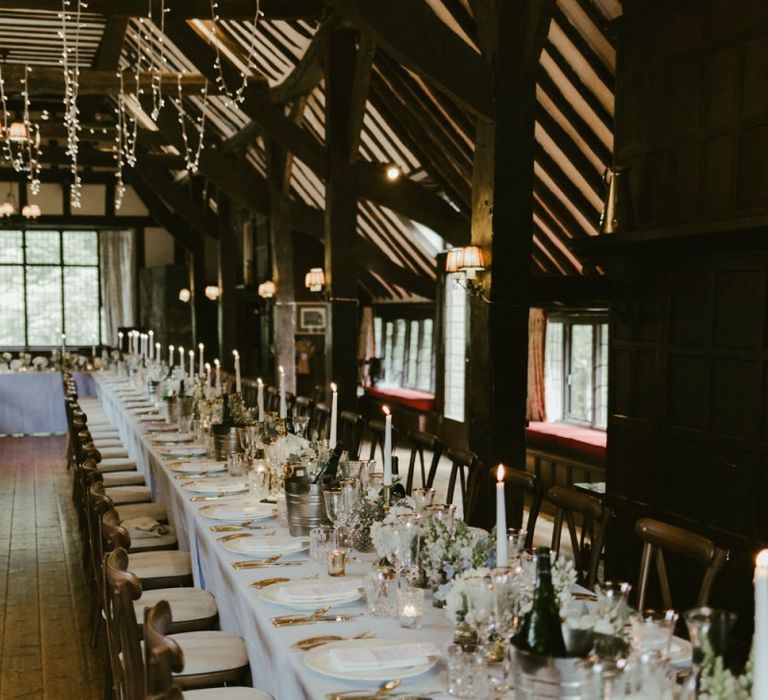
(718, 683)
(450, 549)
(456, 604)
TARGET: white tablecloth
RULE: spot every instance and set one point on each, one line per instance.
(276, 668)
(31, 402)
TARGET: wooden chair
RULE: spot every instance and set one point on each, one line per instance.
(377, 429)
(465, 466)
(318, 422)
(421, 442)
(587, 520)
(657, 537)
(214, 658)
(271, 399)
(163, 656)
(350, 427)
(529, 484)
(302, 406)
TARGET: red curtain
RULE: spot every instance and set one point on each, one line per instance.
(537, 335)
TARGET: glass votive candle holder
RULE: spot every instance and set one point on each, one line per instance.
(441, 511)
(652, 630)
(320, 541)
(515, 542)
(410, 607)
(336, 562)
(422, 498)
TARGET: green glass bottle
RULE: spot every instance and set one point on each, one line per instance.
(540, 632)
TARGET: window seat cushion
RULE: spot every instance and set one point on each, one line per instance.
(411, 398)
(571, 438)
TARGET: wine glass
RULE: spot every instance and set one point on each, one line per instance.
(340, 505)
(300, 424)
(422, 497)
(405, 531)
(333, 507)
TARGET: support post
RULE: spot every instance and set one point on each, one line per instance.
(341, 218)
(502, 222)
(227, 269)
(281, 237)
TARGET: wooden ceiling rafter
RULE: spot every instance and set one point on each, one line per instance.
(410, 32)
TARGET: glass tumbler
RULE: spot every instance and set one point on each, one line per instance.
(320, 542)
(467, 673)
(380, 592)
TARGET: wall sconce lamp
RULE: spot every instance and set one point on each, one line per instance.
(464, 263)
(31, 211)
(314, 280)
(267, 289)
(212, 292)
(18, 132)
(185, 295)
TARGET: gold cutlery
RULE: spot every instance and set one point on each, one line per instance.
(237, 528)
(578, 595)
(381, 692)
(313, 642)
(313, 620)
(261, 564)
(317, 613)
(264, 582)
(235, 536)
(198, 499)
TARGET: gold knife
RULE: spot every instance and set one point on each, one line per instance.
(264, 564)
(264, 582)
(197, 499)
(236, 536)
(311, 620)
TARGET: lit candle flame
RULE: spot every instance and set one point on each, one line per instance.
(215, 362)
(207, 366)
(386, 410)
(281, 370)
(500, 473)
(762, 559)
(333, 387)
(236, 353)
(172, 348)
(259, 382)
(200, 346)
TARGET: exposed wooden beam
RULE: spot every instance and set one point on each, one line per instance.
(361, 82)
(411, 32)
(270, 118)
(79, 221)
(111, 45)
(96, 132)
(88, 156)
(45, 80)
(307, 73)
(415, 202)
(188, 9)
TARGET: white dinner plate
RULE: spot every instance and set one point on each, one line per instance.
(149, 418)
(142, 410)
(237, 510)
(200, 466)
(318, 592)
(182, 450)
(168, 438)
(260, 546)
(680, 652)
(216, 485)
(320, 660)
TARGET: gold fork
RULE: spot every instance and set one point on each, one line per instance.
(313, 642)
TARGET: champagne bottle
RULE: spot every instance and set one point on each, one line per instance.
(327, 475)
(227, 421)
(540, 632)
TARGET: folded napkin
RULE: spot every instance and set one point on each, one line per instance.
(326, 592)
(389, 656)
(270, 545)
(144, 527)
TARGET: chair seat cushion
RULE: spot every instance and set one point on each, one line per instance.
(210, 651)
(226, 694)
(129, 494)
(160, 564)
(127, 478)
(187, 604)
(156, 511)
(116, 464)
(111, 452)
(105, 434)
(167, 540)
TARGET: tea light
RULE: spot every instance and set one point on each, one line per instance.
(410, 607)
(336, 561)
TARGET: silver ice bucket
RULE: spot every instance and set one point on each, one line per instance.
(225, 442)
(305, 505)
(537, 677)
(179, 407)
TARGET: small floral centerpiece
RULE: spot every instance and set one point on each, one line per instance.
(371, 512)
(448, 549)
(716, 682)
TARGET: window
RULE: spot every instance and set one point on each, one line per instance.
(455, 349)
(576, 371)
(406, 352)
(49, 283)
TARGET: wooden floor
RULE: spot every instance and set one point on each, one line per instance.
(44, 643)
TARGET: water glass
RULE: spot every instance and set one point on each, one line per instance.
(652, 630)
(374, 480)
(350, 468)
(515, 542)
(410, 606)
(380, 587)
(235, 464)
(613, 604)
(445, 512)
(467, 673)
(185, 424)
(258, 484)
(282, 510)
(422, 498)
(320, 542)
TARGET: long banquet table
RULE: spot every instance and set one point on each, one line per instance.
(31, 402)
(276, 667)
